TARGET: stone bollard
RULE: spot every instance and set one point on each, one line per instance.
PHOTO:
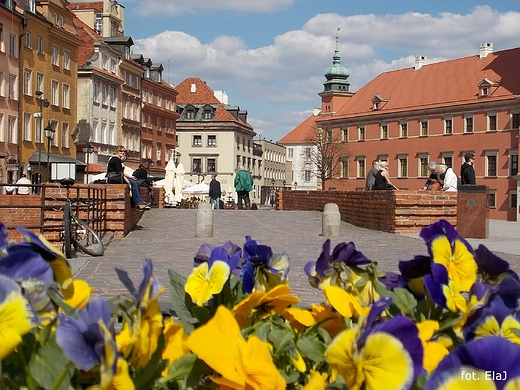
(204, 221)
(331, 220)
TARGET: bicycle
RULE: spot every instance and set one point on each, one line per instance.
(76, 232)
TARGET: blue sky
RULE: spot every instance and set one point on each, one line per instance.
(270, 55)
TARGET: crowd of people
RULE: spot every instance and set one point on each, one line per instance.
(441, 178)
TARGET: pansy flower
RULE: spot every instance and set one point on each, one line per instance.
(204, 252)
(262, 270)
(239, 364)
(443, 291)
(206, 280)
(59, 264)
(149, 286)
(486, 363)
(490, 266)
(448, 248)
(328, 268)
(376, 355)
(434, 348)
(16, 316)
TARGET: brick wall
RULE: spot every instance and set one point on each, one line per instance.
(389, 211)
(119, 217)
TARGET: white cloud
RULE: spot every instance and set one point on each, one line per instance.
(177, 7)
(291, 68)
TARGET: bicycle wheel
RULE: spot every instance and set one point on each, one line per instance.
(87, 240)
(67, 231)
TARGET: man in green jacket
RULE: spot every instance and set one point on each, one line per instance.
(243, 185)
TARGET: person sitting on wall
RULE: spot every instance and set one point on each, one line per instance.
(22, 190)
(450, 178)
(371, 177)
(142, 176)
(383, 181)
(435, 180)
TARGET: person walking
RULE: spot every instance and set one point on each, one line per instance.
(22, 190)
(214, 191)
(467, 171)
(371, 177)
(243, 185)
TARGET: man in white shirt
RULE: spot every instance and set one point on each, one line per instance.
(21, 189)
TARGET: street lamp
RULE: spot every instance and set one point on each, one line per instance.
(295, 185)
(197, 171)
(272, 191)
(284, 184)
(43, 103)
(49, 133)
(87, 149)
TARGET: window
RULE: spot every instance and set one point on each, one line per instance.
(468, 125)
(307, 152)
(55, 18)
(40, 44)
(54, 93)
(111, 137)
(12, 45)
(492, 122)
(112, 97)
(329, 135)
(99, 26)
(158, 127)
(55, 56)
(492, 199)
(159, 101)
(66, 96)
(27, 136)
(196, 165)
(66, 60)
(39, 130)
(212, 140)
(423, 165)
(513, 199)
(104, 62)
(361, 133)
(424, 127)
(104, 94)
(491, 163)
(404, 130)
(28, 40)
(384, 131)
(211, 165)
(290, 153)
(307, 176)
(149, 121)
(448, 123)
(447, 159)
(515, 121)
(12, 87)
(11, 130)
(197, 140)
(65, 135)
(345, 135)
(190, 114)
(344, 167)
(27, 82)
(62, 21)
(112, 66)
(2, 84)
(95, 92)
(403, 166)
(513, 163)
(360, 166)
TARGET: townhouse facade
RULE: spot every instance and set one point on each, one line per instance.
(214, 137)
(429, 112)
(275, 170)
(11, 30)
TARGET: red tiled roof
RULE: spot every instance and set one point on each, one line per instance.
(202, 95)
(87, 35)
(436, 85)
(301, 133)
(224, 115)
(95, 5)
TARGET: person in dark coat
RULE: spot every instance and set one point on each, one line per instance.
(214, 191)
(142, 176)
(467, 171)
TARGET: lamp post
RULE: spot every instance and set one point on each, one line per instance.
(87, 149)
(43, 103)
(284, 184)
(49, 133)
(197, 171)
(295, 185)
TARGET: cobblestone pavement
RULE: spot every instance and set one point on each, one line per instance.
(167, 236)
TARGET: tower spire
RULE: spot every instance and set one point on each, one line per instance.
(337, 74)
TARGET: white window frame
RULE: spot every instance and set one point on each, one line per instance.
(12, 45)
(447, 155)
(12, 87)
(54, 93)
(95, 92)
(512, 153)
(66, 96)
(39, 82)
(344, 167)
(12, 134)
(290, 152)
(40, 44)
(112, 97)
(448, 129)
(362, 135)
(384, 127)
(196, 140)
(27, 81)
(489, 121)
(487, 155)
(66, 60)
(55, 56)
(512, 194)
(361, 166)
(213, 138)
(64, 135)
(104, 94)
(403, 129)
(420, 157)
(472, 129)
(2, 89)
(28, 43)
(423, 131)
(400, 159)
(27, 129)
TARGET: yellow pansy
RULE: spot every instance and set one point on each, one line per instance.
(15, 321)
(242, 364)
(175, 342)
(204, 282)
(434, 351)
(82, 292)
(345, 303)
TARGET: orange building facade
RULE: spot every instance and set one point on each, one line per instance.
(430, 112)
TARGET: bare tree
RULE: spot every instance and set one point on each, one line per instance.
(324, 153)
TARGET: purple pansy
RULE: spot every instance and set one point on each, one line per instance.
(442, 228)
(81, 337)
(148, 284)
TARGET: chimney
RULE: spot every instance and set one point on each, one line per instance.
(485, 49)
(193, 87)
(419, 62)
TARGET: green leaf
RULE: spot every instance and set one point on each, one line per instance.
(50, 368)
(58, 300)
(280, 338)
(312, 349)
(180, 369)
(181, 301)
(144, 378)
(403, 299)
(201, 314)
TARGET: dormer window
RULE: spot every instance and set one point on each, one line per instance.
(190, 114)
(485, 87)
(378, 102)
(207, 114)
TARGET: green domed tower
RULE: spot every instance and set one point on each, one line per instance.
(336, 74)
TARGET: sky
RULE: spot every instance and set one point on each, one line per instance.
(270, 55)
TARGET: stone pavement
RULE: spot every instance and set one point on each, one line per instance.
(167, 236)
